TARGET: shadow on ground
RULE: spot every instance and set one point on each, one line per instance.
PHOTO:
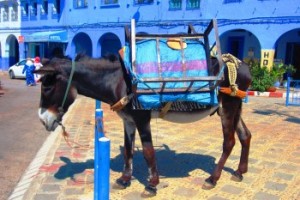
(70, 169)
(170, 164)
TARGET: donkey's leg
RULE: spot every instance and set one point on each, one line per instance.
(144, 130)
(129, 138)
(245, 137)
(230, 113)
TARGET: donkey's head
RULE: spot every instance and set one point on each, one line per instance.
(56, 96)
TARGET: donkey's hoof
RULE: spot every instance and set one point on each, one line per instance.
(208, 185)
(150, 191)
(121, 184)
(237, 176)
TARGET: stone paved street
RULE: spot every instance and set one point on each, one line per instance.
(186, 156)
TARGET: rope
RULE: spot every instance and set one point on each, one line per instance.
(232, 65)
(72, 144)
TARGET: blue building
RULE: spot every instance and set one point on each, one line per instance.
(253, 29)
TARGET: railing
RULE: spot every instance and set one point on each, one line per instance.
(292, 92)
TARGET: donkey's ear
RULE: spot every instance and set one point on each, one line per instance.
(45, 70)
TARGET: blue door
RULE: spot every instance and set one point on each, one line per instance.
(236, 46)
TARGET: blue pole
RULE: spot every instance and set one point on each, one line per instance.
(98, 113)
(287, 92)
(98, 104)
(246, 99)
(102, 158)
(104, 167)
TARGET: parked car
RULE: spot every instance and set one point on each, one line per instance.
(15, 71)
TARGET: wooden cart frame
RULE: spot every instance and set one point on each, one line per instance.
(132, 37)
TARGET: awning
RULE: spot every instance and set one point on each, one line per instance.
(49, 36)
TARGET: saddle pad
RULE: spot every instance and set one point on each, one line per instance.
(155, 60)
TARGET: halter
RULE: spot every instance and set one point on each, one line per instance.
(69, 84)
(61, 112)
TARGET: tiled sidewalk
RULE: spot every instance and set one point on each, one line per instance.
(186, 155)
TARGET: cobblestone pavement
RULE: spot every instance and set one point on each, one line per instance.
(186, 156)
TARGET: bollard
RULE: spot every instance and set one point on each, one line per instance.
(103, 167)
(98, 104)
(101, 158)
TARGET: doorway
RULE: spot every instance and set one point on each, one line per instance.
(35, 49)
(236, 46)
(293, 57)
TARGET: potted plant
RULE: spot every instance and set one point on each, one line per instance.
(277, 71)
(262, 78)
(288, 71)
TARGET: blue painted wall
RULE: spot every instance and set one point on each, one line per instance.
(264, 24)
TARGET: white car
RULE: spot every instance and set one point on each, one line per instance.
(15, 71)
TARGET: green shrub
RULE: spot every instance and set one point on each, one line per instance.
(262, 78)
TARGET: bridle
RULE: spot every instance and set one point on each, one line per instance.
(61, 108)
(61, 112)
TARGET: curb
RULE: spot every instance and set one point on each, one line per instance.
(33, 169)
(267, 94)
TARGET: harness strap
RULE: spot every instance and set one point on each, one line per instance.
(69, 83)
(122, 103)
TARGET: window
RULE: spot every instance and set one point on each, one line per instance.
(14, 13)
(231, 1)
(25, 9)
(33, 10)
(56, 7)
(192, 4)
(80, 3)
(5, 13)
(44, 7)
(109, 3)
(137, 2)
(175, 4)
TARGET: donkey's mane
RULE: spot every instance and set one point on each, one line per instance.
(110, 61)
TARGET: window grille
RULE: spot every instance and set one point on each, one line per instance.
(232, 1)
(109, 2)
(175, 4)
(80, 3)
(25, 9)
(56, 7)
(5, 13)
(14, 13)
(44, 7)
(33, 10)
(137, 2)
(192, 4)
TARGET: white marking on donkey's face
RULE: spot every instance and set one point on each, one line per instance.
(48, 118)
